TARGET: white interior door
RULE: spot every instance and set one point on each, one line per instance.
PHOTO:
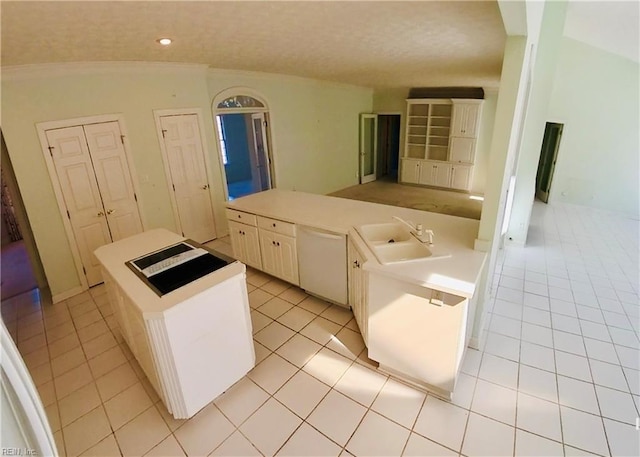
(368, 147)
(72, 161)
(187, 170)
(261, 150)
(114, 179)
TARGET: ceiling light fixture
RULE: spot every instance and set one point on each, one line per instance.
(164, 41)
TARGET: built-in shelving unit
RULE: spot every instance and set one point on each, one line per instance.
(440, 142)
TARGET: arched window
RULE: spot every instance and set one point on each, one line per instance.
(242, 125)
(240, 101)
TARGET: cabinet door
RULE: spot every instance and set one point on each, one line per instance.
(288, 259)
(252, 247)
(462, 150)
(471, 121)
(269, 250)
(427, 173)
(358, 285)
(442, 175)
(245, 244)
(461, 177)
(237, 244)
(410, 171)
(465, 120)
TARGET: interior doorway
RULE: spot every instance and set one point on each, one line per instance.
(379, 147)
(548, 157)
(242, 125)
(388, 146)
(19, 260)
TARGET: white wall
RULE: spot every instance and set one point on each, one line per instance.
(542, 77)
(483, 148)
(314, 127)
(596, 95)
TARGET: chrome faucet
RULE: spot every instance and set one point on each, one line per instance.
(417, 229)
(424, 236)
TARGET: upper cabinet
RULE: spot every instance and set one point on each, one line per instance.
(466, 117)
(440, 133)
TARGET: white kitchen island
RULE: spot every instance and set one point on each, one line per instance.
(415, 316)
(192, 343)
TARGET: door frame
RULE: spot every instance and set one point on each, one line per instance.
(263, 132)
(157, 114)
(400, 132)
(361, 153)
(42, 128)
(215, 111)
(553, 157)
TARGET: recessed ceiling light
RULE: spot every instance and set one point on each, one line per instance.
(165, 41)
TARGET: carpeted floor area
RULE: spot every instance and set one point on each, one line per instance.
(421, 198)
(17, 275)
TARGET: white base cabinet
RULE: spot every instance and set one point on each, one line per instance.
(278, 248)
(438, 174)
(358, 289)
(266, 244)
(410, 171)
(461, 177)
(416, 333)
(193, 343)
(279, 257)
(435, 173)
(245, 244)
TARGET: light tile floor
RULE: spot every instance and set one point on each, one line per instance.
(559, 373)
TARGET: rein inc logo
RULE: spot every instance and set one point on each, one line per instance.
(18, 451)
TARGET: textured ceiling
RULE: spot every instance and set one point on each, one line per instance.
(374, 44)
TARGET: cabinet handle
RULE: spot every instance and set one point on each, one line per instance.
(278, 243)
(273, 225)
(205, 187)
(273, 242)
(111, 211)
(100, 214)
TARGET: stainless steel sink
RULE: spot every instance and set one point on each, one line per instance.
(393, 243)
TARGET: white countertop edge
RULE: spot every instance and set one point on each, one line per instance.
(341, 216)
(462, 288)
(152, 306)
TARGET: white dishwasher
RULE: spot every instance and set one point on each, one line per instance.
(322, 264)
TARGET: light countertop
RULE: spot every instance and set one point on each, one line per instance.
(457, 274)
(113, 257)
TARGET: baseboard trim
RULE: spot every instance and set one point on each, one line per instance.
(66, 294)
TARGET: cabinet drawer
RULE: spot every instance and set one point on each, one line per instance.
(239, 216)
(277, 226)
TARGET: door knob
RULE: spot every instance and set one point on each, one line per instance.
(110, 211)
(100, 214)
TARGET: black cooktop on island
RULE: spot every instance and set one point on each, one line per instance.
(175, 266)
